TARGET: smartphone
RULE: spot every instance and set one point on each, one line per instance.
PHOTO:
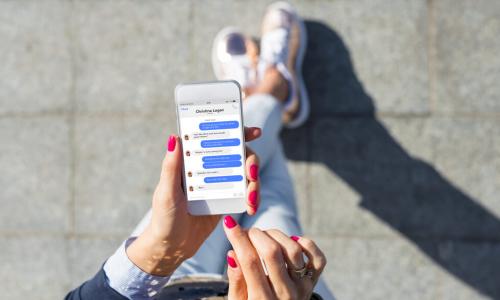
(210, 125)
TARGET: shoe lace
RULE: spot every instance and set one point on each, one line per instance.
(239, 69)
(274, 46)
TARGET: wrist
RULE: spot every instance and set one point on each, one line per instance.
(153, 255)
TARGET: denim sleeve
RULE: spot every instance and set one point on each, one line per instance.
(128, 280)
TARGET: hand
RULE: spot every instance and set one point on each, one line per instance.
(173, 235)
(281, 255)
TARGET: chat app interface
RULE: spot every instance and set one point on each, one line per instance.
(211, 135)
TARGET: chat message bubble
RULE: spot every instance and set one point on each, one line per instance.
(222, 164)
(220, 143)
(214, 186)
(217, 179)
(210, 135)
(219, 125)
(216, 158)
(208, 151)
(213, 172)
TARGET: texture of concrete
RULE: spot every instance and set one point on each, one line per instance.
(397, 172)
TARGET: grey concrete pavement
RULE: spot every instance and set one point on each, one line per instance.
(397, 171)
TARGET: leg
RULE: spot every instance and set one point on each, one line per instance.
(278, 209)
(262, 110)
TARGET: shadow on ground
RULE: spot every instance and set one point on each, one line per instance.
(408, 194)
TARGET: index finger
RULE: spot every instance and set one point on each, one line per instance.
(251, 133)
(248, 258)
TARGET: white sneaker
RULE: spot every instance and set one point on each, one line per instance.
(283, 44)
(231, 58)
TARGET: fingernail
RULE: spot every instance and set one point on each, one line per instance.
(295, 238)
(229, 222)
(171, 143)
(231, 262)
(254, 172)
(252, 198)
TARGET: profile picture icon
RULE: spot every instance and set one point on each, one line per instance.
(188, 153)
(191, 188)
(190, 174)
(186, 137)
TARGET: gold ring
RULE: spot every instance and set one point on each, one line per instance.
(301, 272)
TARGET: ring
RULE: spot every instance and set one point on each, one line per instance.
(301, 273)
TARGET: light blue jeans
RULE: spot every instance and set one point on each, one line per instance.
(277, 209)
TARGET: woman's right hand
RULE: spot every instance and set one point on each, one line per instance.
(282, 256)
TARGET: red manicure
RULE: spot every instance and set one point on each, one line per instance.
(254, 172)
(295, 238)
(229, 222)
(171, 143)
(231, 262)
(252, 199)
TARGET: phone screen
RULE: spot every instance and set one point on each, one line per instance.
(212, 141)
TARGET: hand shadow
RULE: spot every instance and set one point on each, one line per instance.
(407, 194)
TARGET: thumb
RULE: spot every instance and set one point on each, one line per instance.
(237, 285)
(171, 171)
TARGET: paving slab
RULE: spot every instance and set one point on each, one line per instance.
(366, 55)
(299, 172)
(118, 162)
(36, 61)
(34, 266)
(378, 269)
(354, 163)
(295, 144)
(467, 155)
(474, 266)
(35, 180)
(364, 172)
(467, 64)
(86, 256)
(129, 54)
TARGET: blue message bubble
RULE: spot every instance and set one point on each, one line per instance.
(220, 143)
(219, 125)
(222, 164)
(221, 158)
(217, 179)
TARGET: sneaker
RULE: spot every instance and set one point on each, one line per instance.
(283, 44)
(234, 57)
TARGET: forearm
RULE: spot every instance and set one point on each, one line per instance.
(125, 277)
(153, 255)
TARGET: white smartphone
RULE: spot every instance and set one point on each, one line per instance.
(210, 125)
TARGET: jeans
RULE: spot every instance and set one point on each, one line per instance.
(277, 208)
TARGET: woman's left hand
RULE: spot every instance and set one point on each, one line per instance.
(173, 235)
(288, 275)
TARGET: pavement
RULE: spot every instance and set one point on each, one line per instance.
(397, 172)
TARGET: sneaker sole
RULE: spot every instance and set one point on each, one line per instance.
(216, 66)
(304, 107)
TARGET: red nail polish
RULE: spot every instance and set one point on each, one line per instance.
(254, 172)
(231, 262)
(252, 198)
(295, 238)
(229, 222)
(171, 143)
